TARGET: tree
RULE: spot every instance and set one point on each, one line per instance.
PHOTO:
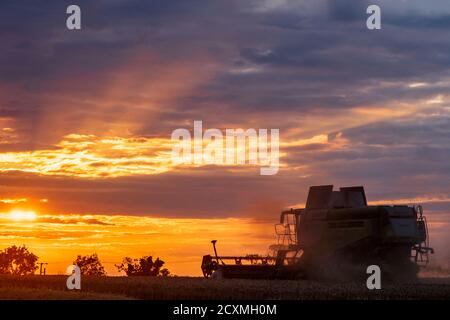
(17, 261)
(90, 265)
(165, 272)
(144, 266)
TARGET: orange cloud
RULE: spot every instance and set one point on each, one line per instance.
(91, 156)
(14, 200)
(8, 135)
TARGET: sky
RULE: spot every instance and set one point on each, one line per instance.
(86, 118)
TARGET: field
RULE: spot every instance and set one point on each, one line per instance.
(54, 287)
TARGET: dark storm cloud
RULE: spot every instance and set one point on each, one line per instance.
(327, 61)
(347, 10)
(431, 131)
(51, 72)
(437, 22)
(331, 63)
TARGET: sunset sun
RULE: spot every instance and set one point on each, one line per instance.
(22, 215)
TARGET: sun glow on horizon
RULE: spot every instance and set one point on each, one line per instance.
(181, 242)
(22, 215)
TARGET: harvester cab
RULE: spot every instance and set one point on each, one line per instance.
(338, 229)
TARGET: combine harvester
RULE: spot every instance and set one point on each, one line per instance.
(337, 235)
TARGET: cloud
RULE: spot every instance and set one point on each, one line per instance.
(13, 201)
(100, 104)
(70, 220)
(91, 156)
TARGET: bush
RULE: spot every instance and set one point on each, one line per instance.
(144, 266)
(90, 265)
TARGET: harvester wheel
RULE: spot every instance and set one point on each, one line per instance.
(217, 274)
(208, 266)
(398, 267)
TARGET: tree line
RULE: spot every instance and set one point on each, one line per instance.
(18, 260)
